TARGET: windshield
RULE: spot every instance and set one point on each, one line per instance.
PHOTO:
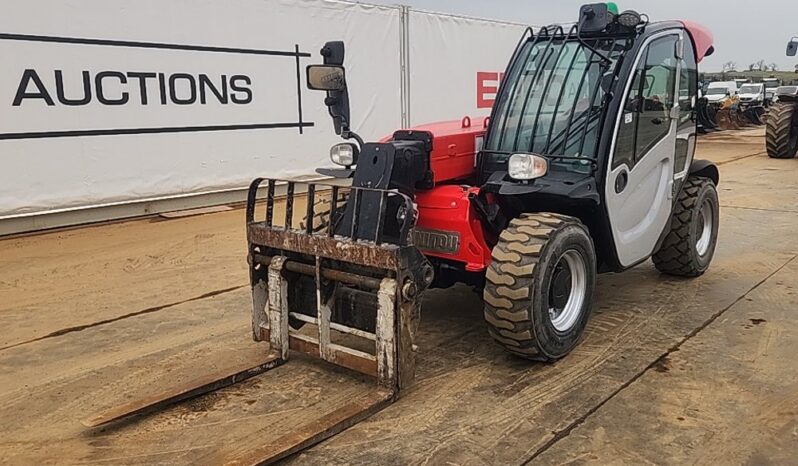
(717, 90)
(551, 101)
(787, 90)
(771, 84)
(750, 89)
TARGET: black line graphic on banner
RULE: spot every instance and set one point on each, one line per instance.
(296, 54)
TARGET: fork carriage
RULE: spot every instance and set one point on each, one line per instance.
(370, 259)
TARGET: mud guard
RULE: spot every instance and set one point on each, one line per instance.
(706, 169)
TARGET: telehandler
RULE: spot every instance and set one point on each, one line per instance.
(585, 165)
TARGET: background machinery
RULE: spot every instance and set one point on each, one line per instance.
(781, 136)
(753, 101)
(584, 166)
(770, 89)
(731, 105)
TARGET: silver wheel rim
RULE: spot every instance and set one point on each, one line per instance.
(564, 319)
(705, 217)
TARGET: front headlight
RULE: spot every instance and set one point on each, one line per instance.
(527, 166)
(344, 154)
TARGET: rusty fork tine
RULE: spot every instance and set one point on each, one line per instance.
(355, 210)
(333, 210)
(310, 213)
(270, 204)
(289, 206)
(380, 217)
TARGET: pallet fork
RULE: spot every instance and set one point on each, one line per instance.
(369, 259)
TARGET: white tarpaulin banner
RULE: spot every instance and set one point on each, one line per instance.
(107, 101)
(455, 64)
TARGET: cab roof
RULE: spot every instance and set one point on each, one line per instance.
(702, 39)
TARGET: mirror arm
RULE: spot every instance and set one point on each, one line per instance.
(349, 134)
(605, 59)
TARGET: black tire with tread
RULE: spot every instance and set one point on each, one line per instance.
(781, 136)
(322, 206)
(516, 284)
(677, 255)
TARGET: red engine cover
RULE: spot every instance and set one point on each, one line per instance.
(455, 144)
(449, 227)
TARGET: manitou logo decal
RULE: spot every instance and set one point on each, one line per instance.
(487, 87)
(66, 86)
(447, 242)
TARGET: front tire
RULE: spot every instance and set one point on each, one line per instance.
(322, 206)
(539, 286)
(690, 245)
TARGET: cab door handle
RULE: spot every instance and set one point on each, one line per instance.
(621, 181)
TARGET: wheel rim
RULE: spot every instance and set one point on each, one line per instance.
(567, 290)
(705, 220)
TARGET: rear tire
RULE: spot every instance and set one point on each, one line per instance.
(690, 245)
(781, 136)
(539, 286)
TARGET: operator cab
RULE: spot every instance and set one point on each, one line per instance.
(598, 121)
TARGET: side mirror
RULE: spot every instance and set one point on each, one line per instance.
(792, 47)
(326, 77)
(331, 77)
(594, 17)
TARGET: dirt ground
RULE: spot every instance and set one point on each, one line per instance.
(671, 371)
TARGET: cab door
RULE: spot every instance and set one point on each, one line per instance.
(686, 101)
(639, 184)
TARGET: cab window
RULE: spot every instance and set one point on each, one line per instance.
(645, 118)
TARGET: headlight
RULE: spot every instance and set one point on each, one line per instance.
(527, 166)
(629, 18)
(344, 154)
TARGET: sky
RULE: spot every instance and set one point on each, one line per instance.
(745, 31)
